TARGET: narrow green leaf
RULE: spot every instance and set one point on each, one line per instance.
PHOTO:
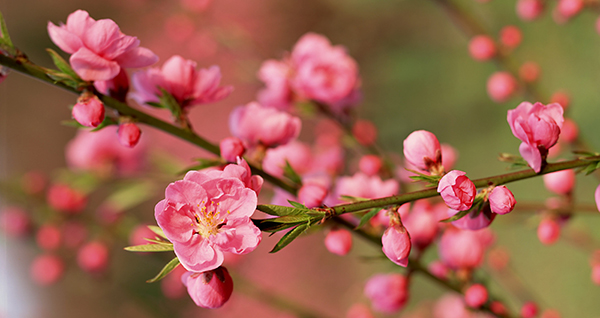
(278, 210)
(5, 37)
(165, 271)
(158, 231)
(157, 247)
(266, 225)
(62, 65)
(367, 217)
(153, 104)
(289, 237)
(72, 123)
(291, 174)
(456, 216)
(297, 204)
(169, 102)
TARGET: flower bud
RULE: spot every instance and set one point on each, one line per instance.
(48, 237)
(370, 165)
(560, 182)
(338, 241)
(89, 111)
(569, 131)
(438, 269)
(482, 48)
(129, 134)
(461, 249)
(47, 269)
(388, 293)
(65, 199)
(14, 222)
(210, 289)
(231, 148)
(422, 149)
(566, 9)
(93, 257)
(498, 308)
(529, 72)
(501, 86)
(502, 201)
(457, 190)
(396, 243)
(476, 295)
(276, 127)
(312, 194)
(597, 197)
(561, 98)
(365, 132)
(511, 36)
(74, 233)
(548, 231)
(529, 310)
(529, 10)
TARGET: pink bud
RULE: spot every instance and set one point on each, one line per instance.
(501, 86)
(231, 148)
(529, 10)
(567, 9)
(89, 111)
(276, 127)
(451, 305)
(129, 134)
(561, 98)
(47, 269)
(66, 199)
(210, 289)
(548, 231)
(511, 36)
(365, 132)
(388, 293)
(139, 234)
(476, 295)
(438, 269)
(474, 220)
(529, 72)
(359, 311)
(422, 149)
(338, 241)
(498, 308)
(482, 48)
(312, 194)
(502, 201)
(560, 182)
(48, 237)
(14, 222)
(396, 244)
(569, 131)
(93, 257)
(370, 165)
(461, 249)
(529, 310)
(597, 197)
(74, 234)
(457, 190)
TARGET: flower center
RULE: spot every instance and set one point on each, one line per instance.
(208, 219)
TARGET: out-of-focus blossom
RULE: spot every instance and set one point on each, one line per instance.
(529, 72)
(474, 220)
(312, 194)
(180, 78)
(66, 199)
(538, 127)
(207, 214)
(529, 310)
(48, 237)
(139, 234)
(562, 98)
(338, 241)
(457, 190)
(34, 182)
(449, 156)
(89, 111)
(93, 257)
(47, 269)
(278, 93)
(511, 36)
(296, 153)
(359, 311)
(548, 231)
(370, 165)
(129, 134)
(498, 258)
(276, 127)
(172, 286)
(422, 224)
(461, 249)
(365, 132)
(231, 148)
(14, 222)
(529, 10)
(438, 269)
(597, 197)
(388, 293)
(99, 49)
(74, 234)
(451, 306)
(560, 182)
(567, 9)
(501, 86)
(569, 131)
(362, 186)
(502, 201)
(476, 295)
(209, 289)
(482, 48)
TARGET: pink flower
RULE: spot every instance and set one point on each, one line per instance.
(359, 311)
(139, 234)
(529, 10)
(396, 244)
(529, 310)
(338, 241)
(538, 127)
(363, 186)
(231, 148)
(276, 127)
(89, 111)
(99, 49)
(117, 87)
(548, 231)
(296, 153)
(180, 78)
(93, 257)
(562, 98)
(501, 86)
(422, 224)
(47, 269)
(482, 48)
(529, 72)
(560, 182)
(129, 134)
(597, 197)
(457, 190)
(388, 293)
(48, 237)
(461, 249)
(364, 132)
(312, 194)
(438, 269)
(207, 214)
(566, 9)
(476, 295)
(323, 72)
(511, 36)
(63, 198)
(451, 306)
(278, 93)
(209, 289)
(370, 165)
(502, 201)
(14, 222)
(474, 220)
(422, 149)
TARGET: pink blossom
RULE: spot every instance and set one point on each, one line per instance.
(388, 293)
(529, 310)
(476, 295)
(511, 36)
(312, 194)
(482, 48)
(422, 224)
(461, 249)
(566, 9)
(63, 198)
(364, 132)
(129, 134)
(296, 153)
(501, 86)
(276, 127)
(548, 231)
(560, 182)
(14, 222)
(538, 127)
(370, 165)
(457, 190)
(99, 49)
(74, 234)
(231, 148)
(502, 201)
(338, 241)
(529, 72)
(597, 197)
(449, 155)
(48, 237)
(550, 313)
(139, 234)
(89, 111)
(323, 72)
(93, 257)
(209, 289)
(278, 93)
(363, 186)
(562, 98)
(438, 269)
(422, 149)
(529, 10)
(207, 214)
(569, 131)
(396, 244)
(101, 152)
(474, 220)
(47, 269)
(451, 306)
(117, 88)
(180, 78)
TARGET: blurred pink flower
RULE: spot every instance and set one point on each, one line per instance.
(93, 257)
(99, 49)
(501, 86)
(47, 269)
(312, 194)
(538, 127)
(362, 186)
(210, 289)
(207, 214)
(338, 241)
(560, 182)
(231, 148)
(180, 78)
(63, 198)
(296, 153)
(14, 222)
(278, 93)
(476, 295)
(461, 249)
(548, 231)
(529, 10)
(482, 47)
(129, 134)
(474, 220)
(388, 293)
(276, 127)
(422, 224)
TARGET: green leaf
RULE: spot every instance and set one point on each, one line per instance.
(297, 204)
(158, 231)
(352, 199)
(72, 123)
(63, 78)
(108, 121)
(278, 210)
(432, 180)
(367, 217)
(267, 225)
(5, 40)
(456, 216)
(169, 102)
(62, 65)
(155, 247)
(204, 163)
(153, 104)
(165, 271)
(291, 174)
(289, 237)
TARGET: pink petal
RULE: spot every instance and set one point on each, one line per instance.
(144, 84)
(179, 73)
(239, 236)
(198, 254)
(91, 67)
(240, 204)
(79, 22)
(64, 39)
(185, 192)
(138, 57)
(176, 223)
(532, 156)
(105, 39)
(197, 177)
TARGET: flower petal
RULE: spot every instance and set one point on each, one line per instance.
(137, 57)
(198, 254)
(64, 39)
(92, 67)
(239, 236)
(532, 156)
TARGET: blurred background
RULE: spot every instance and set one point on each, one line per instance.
(416, 74)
